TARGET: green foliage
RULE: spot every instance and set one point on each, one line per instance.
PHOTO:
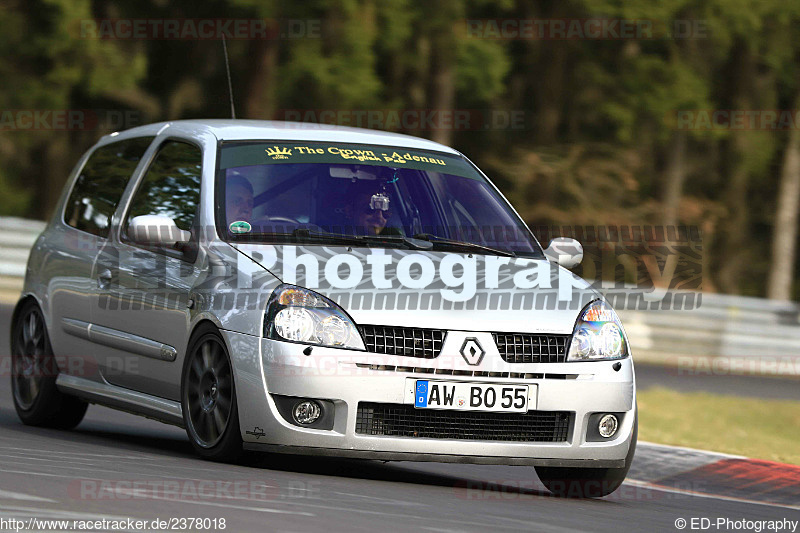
(599, 115)
(395, 20)
(753, 427)
(481, 71)
(14, 201)
(336, 71)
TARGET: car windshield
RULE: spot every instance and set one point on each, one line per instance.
(371, 195)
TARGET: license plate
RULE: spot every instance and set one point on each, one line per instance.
(458, 396)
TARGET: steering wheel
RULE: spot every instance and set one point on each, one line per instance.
(285, 220)
(287, 224)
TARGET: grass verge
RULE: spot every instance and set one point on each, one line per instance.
(761, 429)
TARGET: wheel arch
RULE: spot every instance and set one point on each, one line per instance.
(23, 301)
(202, 319)
(205, 322)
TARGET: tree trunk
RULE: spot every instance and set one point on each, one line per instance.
(442, 93)
(548, 82)
(675, 176)
(53, 170)
(784, 233)
(734, 241)
(261, 99)
(736, 224)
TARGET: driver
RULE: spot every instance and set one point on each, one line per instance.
(238, 199)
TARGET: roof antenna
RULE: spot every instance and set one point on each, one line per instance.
(228, 69)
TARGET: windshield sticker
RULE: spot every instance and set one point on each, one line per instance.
(276, 152)
(240, 226)
(251, 153)
(388, 156)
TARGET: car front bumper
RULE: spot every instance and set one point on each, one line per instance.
(264, 368)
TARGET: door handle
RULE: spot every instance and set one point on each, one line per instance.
(104, 278)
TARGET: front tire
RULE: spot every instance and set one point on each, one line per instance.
(208, 398)
(37, 400)
(587, 482)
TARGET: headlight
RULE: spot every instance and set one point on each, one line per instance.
(300, 315)
(598, 335)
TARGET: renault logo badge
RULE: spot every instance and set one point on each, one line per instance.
(471, 351)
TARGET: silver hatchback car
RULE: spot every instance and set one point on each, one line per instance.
(295, 288)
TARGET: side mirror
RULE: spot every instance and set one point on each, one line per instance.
(157, 230)
(565, 251)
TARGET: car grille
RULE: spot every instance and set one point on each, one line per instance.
(401, 420)
(532, 348)
(407, 342)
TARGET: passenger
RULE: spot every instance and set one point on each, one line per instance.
(370, 210)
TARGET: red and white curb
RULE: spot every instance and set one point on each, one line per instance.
(722, 476)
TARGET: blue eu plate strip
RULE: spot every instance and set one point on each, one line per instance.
(421, 395)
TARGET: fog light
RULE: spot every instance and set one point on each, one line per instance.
(307, 412)
(608, 426)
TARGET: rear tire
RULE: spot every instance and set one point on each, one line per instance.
(208, 398)
(587, 482)
(34, 370)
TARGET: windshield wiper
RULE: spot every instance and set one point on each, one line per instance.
(419, 244)
(360, 239)
(420, 241)
(301, 233)
(435, 239)
(343, 238)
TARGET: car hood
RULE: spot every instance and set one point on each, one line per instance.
(439, 290)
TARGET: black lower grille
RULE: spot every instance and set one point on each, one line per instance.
(401, 420)
(532, 348)
(408, 342)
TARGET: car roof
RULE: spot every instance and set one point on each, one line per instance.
(272, 130)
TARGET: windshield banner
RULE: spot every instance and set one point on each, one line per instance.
(260, 153)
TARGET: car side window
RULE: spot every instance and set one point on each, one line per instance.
(171, 185)
(100, 185)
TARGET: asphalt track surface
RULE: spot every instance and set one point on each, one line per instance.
(86, 474)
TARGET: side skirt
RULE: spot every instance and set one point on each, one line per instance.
(134, 402)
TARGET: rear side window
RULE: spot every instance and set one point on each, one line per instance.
(99, 186)
(171, 186)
